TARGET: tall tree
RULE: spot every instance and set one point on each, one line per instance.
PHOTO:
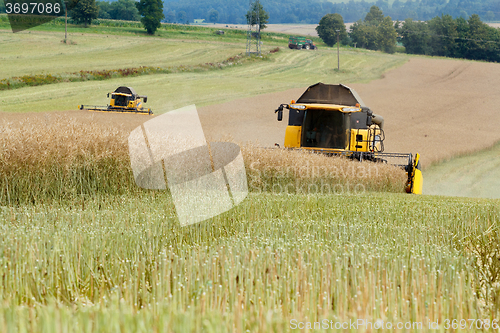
(182, 17)
(257, 14)
(444, 33)
(85, 11)
(416, 37)
(328, 26)
(478, 36)
(364, 35)
(374, 16)
(386, 37)
(152, 14)
(376, 32)
(124, 10)
(170, 17)
(104, 9)
(213, 15)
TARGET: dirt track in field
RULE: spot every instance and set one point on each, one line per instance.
(436, 107)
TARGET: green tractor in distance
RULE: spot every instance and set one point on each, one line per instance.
(301, 43)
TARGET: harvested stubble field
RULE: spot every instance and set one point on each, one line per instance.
(84, 250)
(474, 175)
(44, 53)
(437, 107)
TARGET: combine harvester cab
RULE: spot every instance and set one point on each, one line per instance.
(123, 100)
(334, 120)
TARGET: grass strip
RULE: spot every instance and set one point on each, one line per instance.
(99, 75)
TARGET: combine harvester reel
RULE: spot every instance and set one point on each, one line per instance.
(123, 100)
(333, 120)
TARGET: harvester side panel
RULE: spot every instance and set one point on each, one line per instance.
(292, 136)
(359, 139)
(417, 180)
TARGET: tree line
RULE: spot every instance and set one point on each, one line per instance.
(374, 32)
(460, 37)
(118, 10)
(302, 11)
(448, 37)
(441, 36)
(311, 11)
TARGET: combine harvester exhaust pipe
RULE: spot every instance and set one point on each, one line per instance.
(378, 120)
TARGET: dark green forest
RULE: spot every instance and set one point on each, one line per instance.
(311, 11)
(422, 30)
(305, 11)
(448, 37)
(118, 10)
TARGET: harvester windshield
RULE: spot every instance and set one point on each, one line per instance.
(120, 100)
(324, 129)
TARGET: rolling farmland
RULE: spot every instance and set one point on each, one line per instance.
(85, 250)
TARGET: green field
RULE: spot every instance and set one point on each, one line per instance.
(285, 70)
(93, 253)
(123, 264)
(43, 53)
(31, 53)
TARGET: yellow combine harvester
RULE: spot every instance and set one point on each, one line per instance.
(123, 99)
(333, 120)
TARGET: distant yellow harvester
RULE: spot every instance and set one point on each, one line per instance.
(123, 99)
(333, 120)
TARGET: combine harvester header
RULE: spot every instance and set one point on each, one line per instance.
(334, 120)
(123, 99)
